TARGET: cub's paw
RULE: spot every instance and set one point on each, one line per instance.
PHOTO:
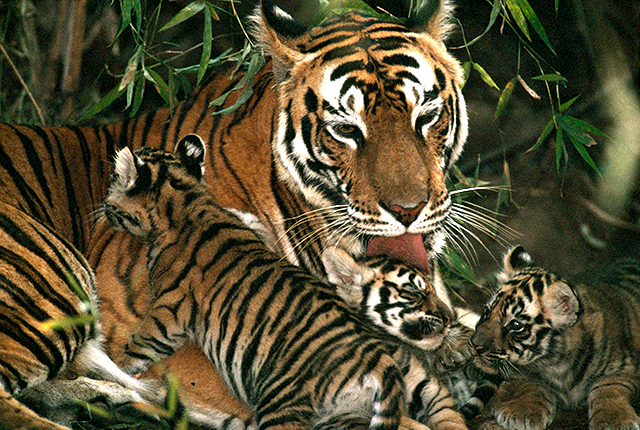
(520, 405)
(456, 349)
(617, 416)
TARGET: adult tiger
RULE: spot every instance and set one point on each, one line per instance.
(348, 136)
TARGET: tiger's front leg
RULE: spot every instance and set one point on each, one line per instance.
(162, 331)
(523, 405)
(610, 404)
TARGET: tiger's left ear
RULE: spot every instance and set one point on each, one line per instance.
(434, 17)
(561, 304)
(190, 151)
(516, 258)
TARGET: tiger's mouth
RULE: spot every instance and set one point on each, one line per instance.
(408, 247)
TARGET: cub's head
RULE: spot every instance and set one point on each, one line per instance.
(524, 321)
(150, 188)
(370, 119)
(396, 298)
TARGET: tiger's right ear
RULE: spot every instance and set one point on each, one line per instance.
(277, 32)
(126, 172)
(516, 258)
(434, 17)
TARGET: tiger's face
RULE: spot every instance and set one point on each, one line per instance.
(524, 322)
(141, 198)
(396, 298)
(371, 118)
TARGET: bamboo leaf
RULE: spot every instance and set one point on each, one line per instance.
(519, 17)
(528, 89)
(505, 97)
(103, 103)
(466, 71)
(138, 95)
(582, 150)
(552, 77)
(485, 76)
(566, 105)
(207, 39)
(578, 124)
(561, 150)
(546, 131)
(531, 16)
(159, 83)
(187, 12)
(495, 11)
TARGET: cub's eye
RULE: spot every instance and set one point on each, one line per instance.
(515, 326)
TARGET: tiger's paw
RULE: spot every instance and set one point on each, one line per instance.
(455, 351)
(523, 405)
(618, 416)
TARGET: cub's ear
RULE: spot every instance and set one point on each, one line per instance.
(346, 274)
(516, 258)
(190, 151)
(561, 304)
(434, 17)
(125, 171)
(278, 33)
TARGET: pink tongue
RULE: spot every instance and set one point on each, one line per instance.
(408, 247)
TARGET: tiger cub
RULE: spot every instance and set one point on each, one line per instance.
(284, 343)
(44, 279)
(400, 302)
(560, 342)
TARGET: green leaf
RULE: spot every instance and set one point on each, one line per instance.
(187, 12)
(561, 150)
(485, 76)
(466, 71)
(552, 77)
(457, 265)
(138, 95)
(207, 38)
(505, 97)
(518, 16)
(495, 11)
(566, 105)
(126, 6)
(528, 12)
(582, 150)
(546, 131)
(102, 103)
(575, 123)
(255, 63)
(161, 86)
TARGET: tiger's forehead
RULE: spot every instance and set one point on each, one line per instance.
(360, 61)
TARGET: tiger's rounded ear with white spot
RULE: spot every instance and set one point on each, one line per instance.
(346, 274)
(434, 17)
(515, 259)
(561, 304)
(126, 172)
(190, 151)
(277, 32)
